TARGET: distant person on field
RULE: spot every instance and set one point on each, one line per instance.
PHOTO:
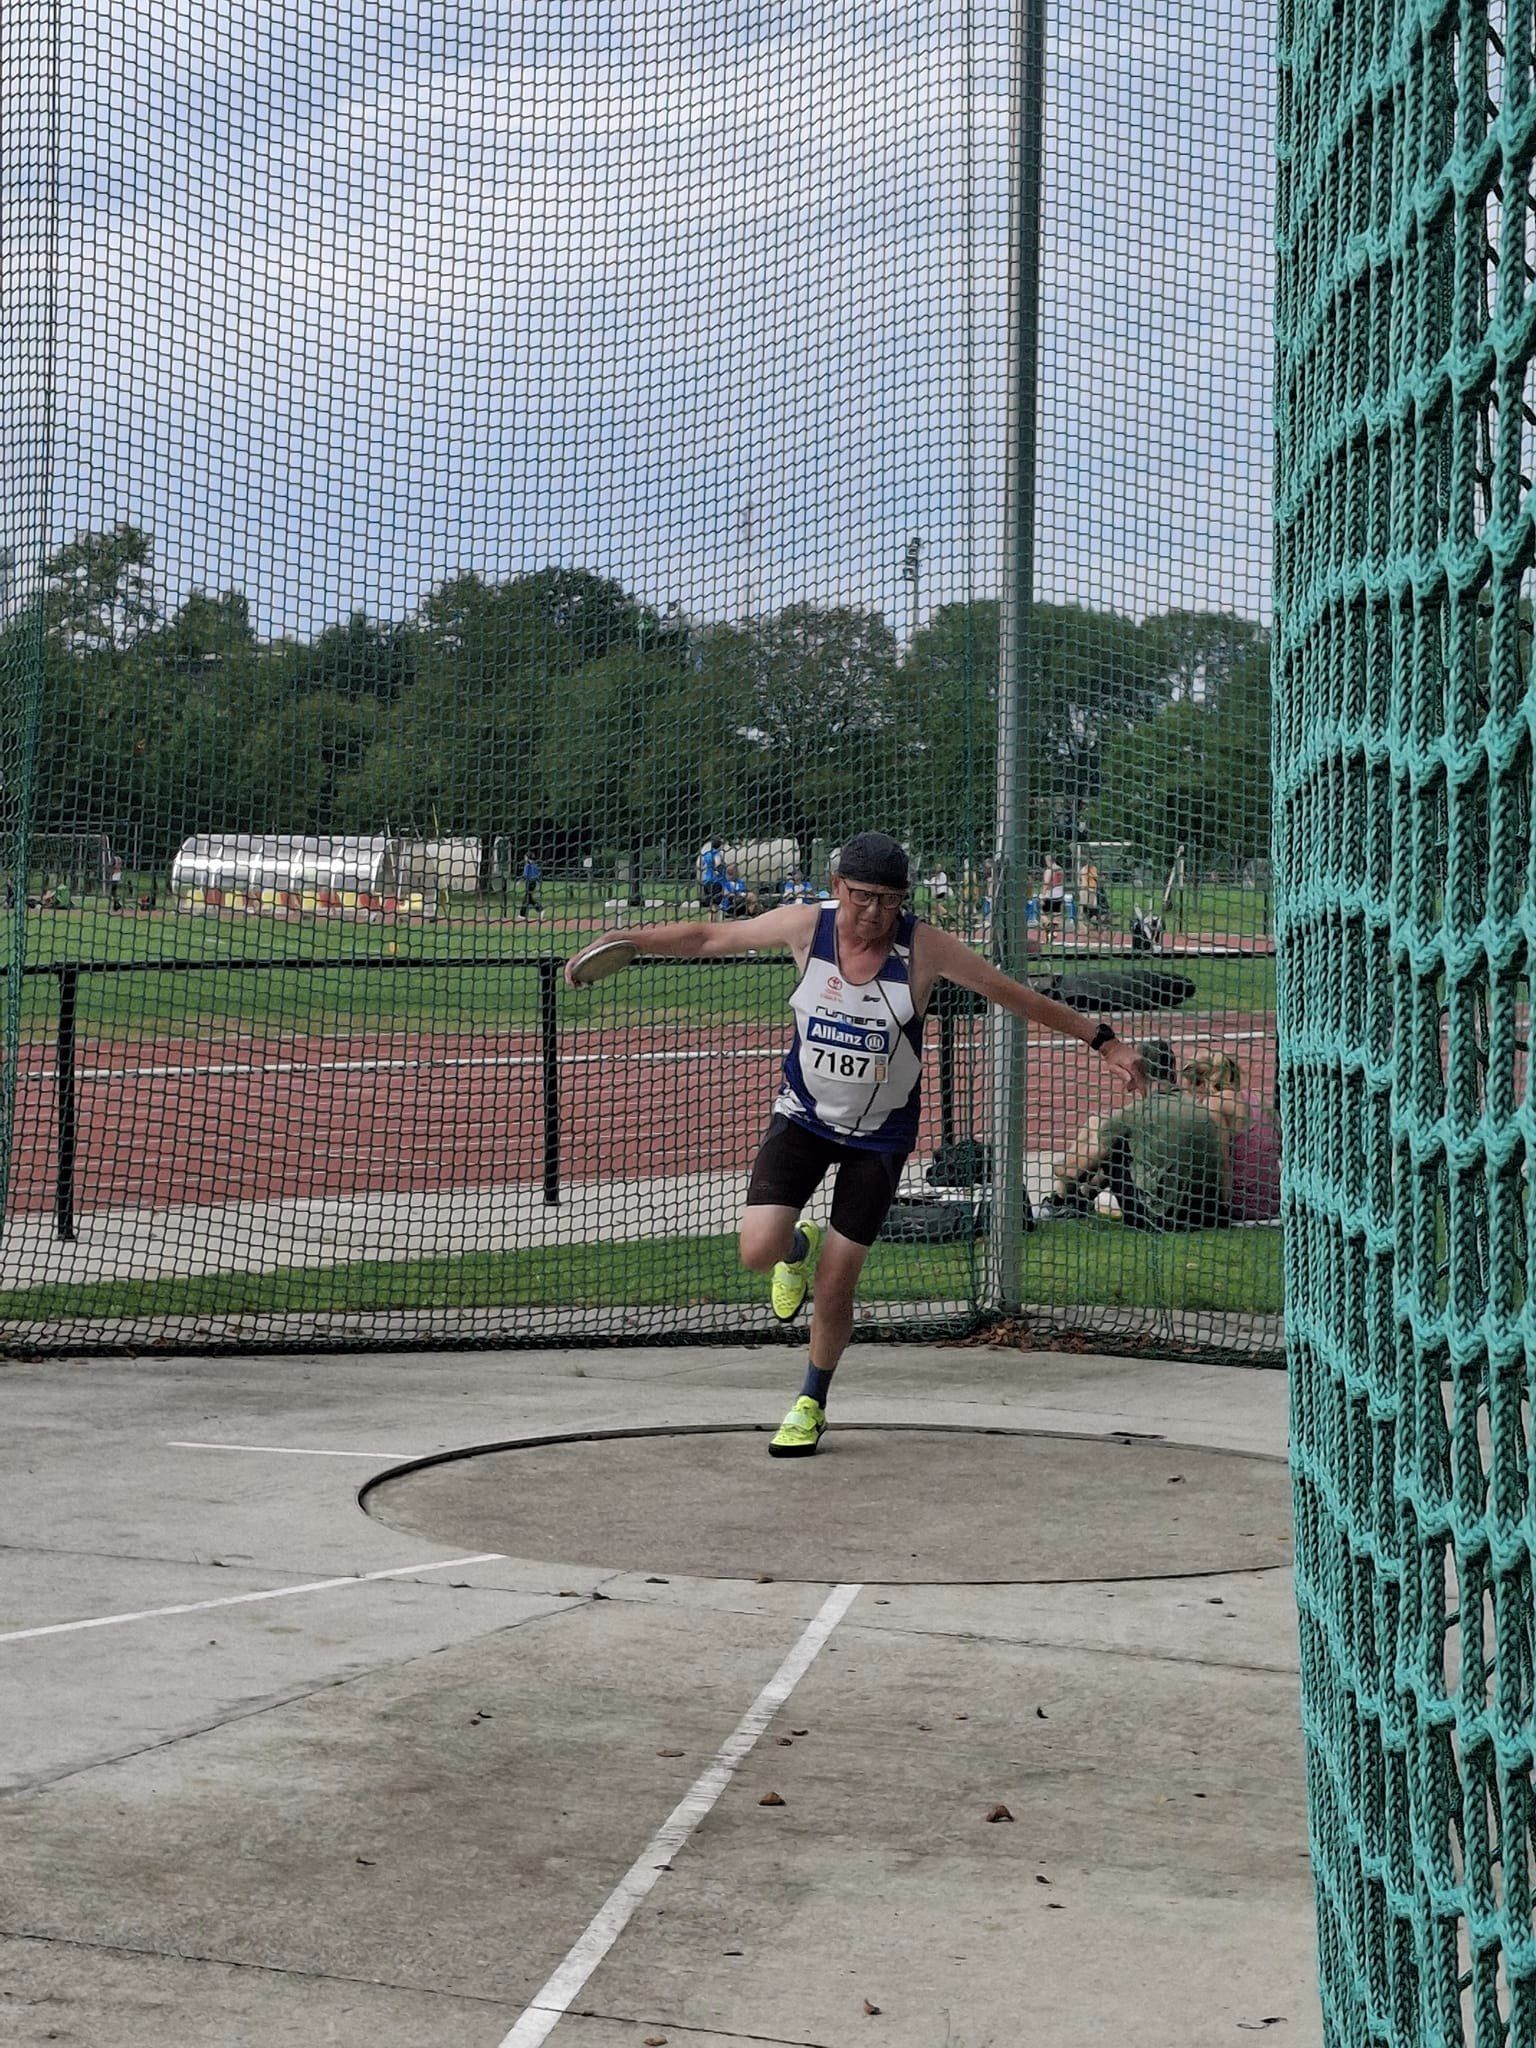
(533, 874)
(711, 875)
(1163, 1159)
(115, 884)
(1053, 888)
(1093, 902)
(1252, 1131)
(1215, 1079)
(1254, 1162)
(849, 1100)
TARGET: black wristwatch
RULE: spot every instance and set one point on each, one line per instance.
(1102, 1037)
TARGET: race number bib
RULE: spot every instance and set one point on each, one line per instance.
(846, 1051)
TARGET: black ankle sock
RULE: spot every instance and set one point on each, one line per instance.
(817, 1384)
(799, 1245)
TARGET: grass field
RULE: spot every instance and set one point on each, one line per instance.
(1089, 1263)
(339, 996)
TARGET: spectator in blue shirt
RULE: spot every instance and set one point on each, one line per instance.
(533, 874)
(712, 875)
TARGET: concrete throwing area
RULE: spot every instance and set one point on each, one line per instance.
(745, 1516)
(489, 1764)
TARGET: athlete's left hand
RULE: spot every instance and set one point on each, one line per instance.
(1127, 1064)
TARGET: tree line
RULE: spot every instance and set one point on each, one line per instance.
(555, 709)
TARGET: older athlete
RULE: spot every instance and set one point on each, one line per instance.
(849, 1096)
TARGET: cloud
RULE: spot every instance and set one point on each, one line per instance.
(350, 301)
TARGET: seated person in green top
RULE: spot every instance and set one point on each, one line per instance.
(1163, 1158)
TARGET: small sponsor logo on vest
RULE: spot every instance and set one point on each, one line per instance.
(834, 983)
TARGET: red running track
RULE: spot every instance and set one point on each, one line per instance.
(165, 1122)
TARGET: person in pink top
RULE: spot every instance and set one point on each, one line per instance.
(1255, 1158)
(1253, 1135)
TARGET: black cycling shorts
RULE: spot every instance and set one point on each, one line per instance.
(792, 1163)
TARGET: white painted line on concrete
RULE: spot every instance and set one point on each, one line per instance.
(401, 1571)
(550, 2004)
(291, 1451)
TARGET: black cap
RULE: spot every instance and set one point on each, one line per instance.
(876, 858)
(1157, 1058)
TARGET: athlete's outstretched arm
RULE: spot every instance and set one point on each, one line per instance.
(951, 958)
(784, 928)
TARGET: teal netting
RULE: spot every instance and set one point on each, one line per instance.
(459, 462)
(1406, 342)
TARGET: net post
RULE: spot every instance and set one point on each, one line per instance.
(64, 1073)
(946, 1073)
(1017, 598)
(549, 1038)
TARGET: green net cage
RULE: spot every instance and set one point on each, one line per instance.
(1403, 841)
(478, 478)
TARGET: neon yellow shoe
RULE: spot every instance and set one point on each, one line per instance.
(792, 1279)
(800, 1431)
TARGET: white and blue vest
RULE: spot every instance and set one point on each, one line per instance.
(854, 1072)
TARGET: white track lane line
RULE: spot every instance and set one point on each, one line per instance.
(291, 1451)
(401, 1571)
(314, 1068)
(308, 1068)
(550, 2004)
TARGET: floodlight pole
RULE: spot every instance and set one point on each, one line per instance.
(1016, 660)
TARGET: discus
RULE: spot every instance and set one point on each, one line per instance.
(609, 956)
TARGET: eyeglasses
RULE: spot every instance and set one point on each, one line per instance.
(873, 899)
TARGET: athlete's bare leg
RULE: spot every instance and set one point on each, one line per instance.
(767, 1235)
(837, 1281)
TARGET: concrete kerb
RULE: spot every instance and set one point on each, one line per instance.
(191, 1239)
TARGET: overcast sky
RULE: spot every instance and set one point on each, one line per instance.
(706, 298)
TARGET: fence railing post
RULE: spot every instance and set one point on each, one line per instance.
(549, 982)
(64, 1082)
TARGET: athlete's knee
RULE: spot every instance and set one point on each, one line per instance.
(763, 1242)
